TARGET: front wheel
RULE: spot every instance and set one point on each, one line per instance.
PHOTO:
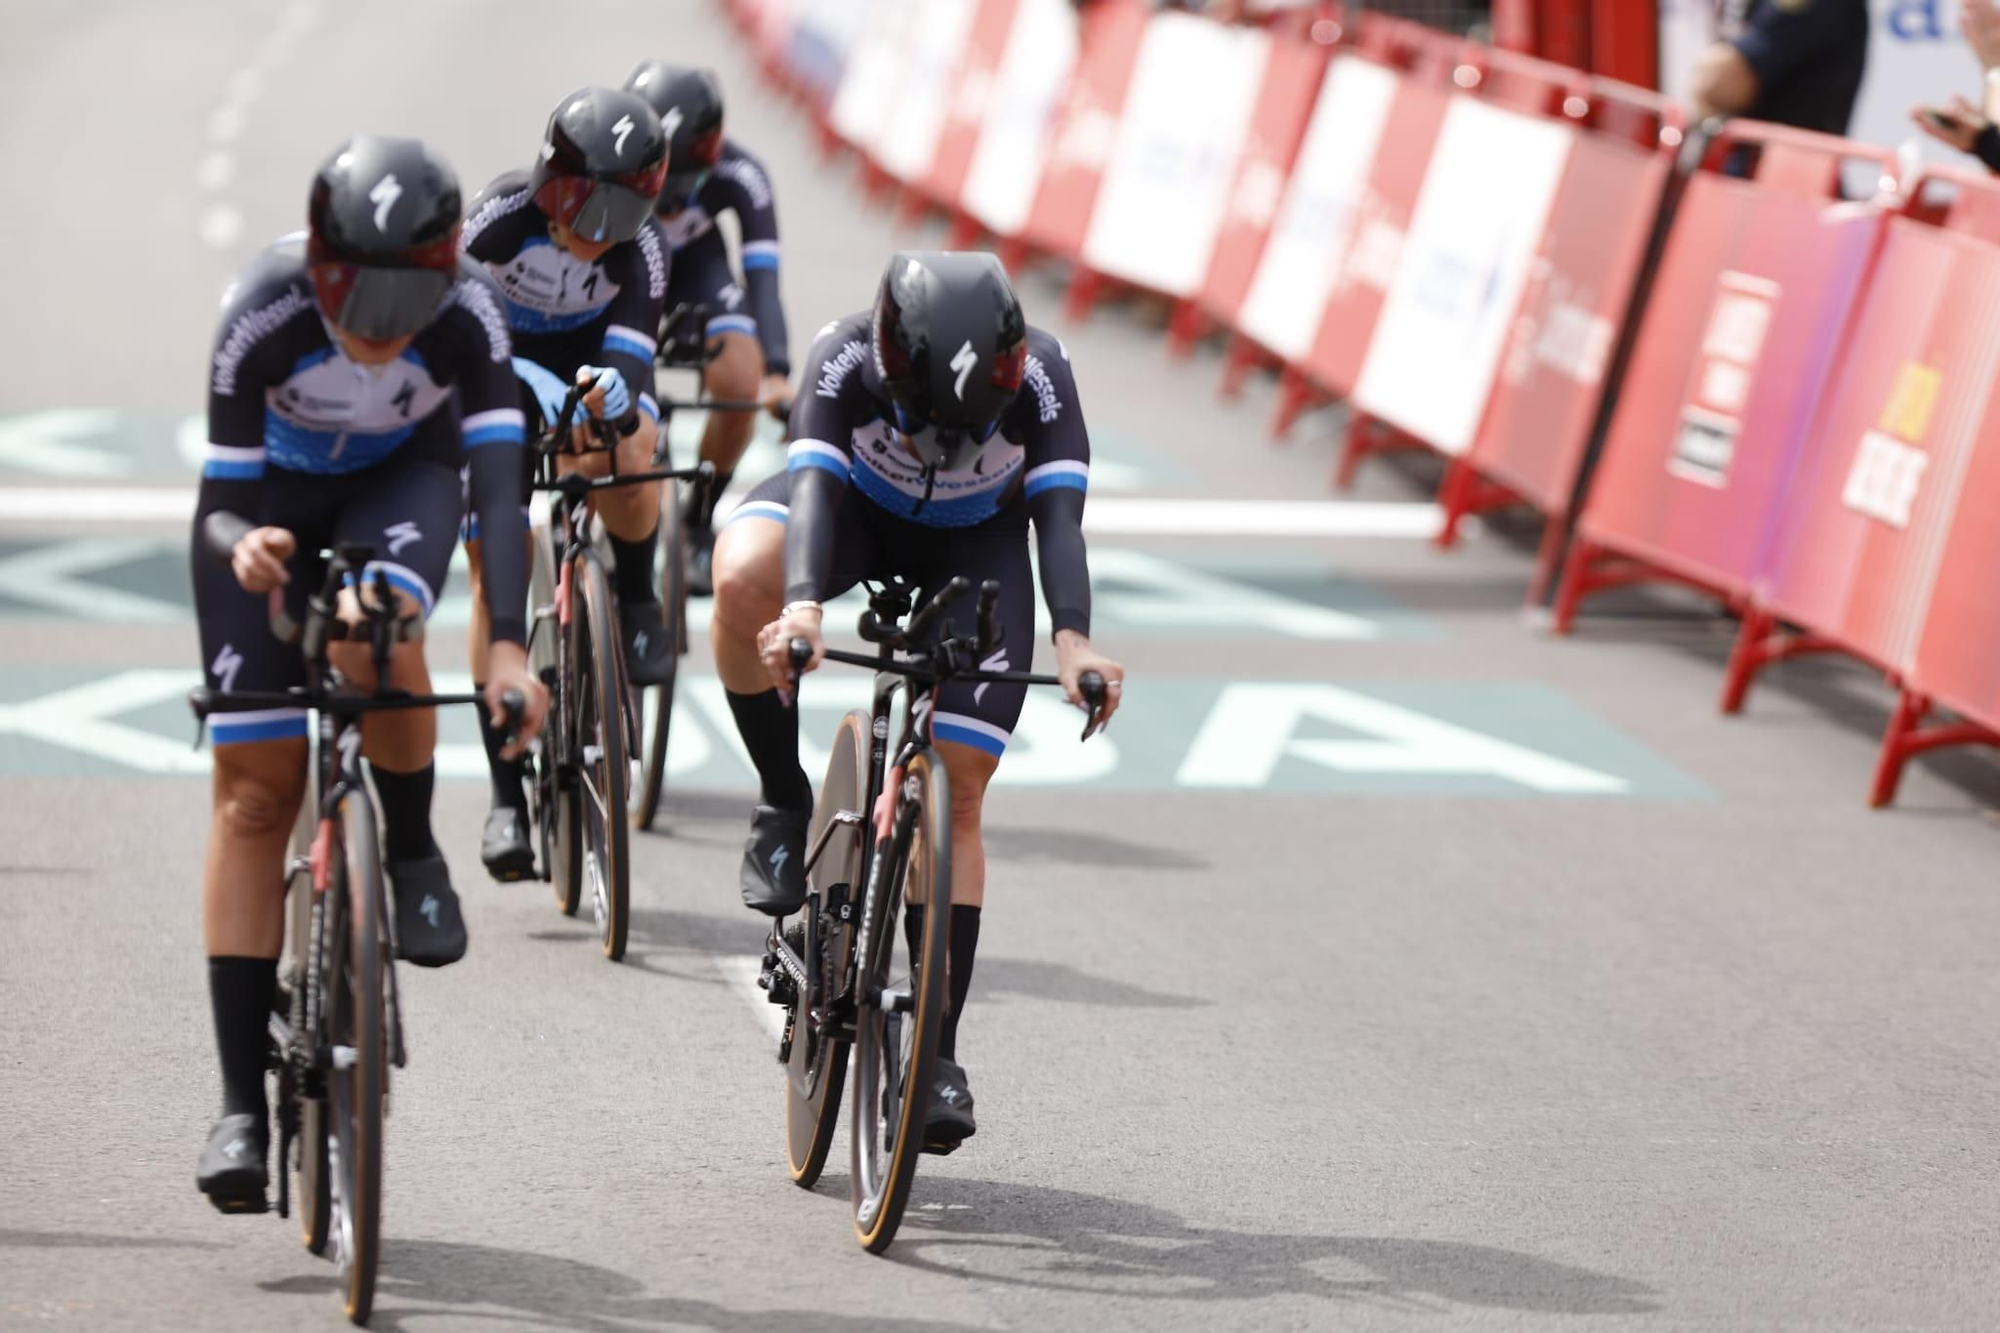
(899, 1003)
(357, 1076)
(309, 1155)
(656, 718)
(816, 1060)
(552, 789)
(602, 774)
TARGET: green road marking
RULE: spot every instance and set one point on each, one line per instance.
(1404, 738)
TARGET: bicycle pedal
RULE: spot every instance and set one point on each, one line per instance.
(240, 1204)
(942, 1147)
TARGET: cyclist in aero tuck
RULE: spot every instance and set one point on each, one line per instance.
(331, 418)
(929, 433)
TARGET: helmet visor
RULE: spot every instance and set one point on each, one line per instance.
(600, 211)
(378, 303)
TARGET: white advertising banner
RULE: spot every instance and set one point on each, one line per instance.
(1006, 168)
(1478, 224)
(1307, 242)
(873, 72)
(910, 132)
(1167, 184)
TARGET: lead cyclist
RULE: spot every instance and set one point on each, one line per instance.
(929, 434)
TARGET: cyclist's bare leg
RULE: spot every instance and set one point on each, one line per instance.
(404, 740)
(749, 592)
(736, 372)
(969, 770)
(630, 513)
(257, 788)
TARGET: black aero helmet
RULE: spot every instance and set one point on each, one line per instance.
(689, 103)
(382, 236)
(951, 346)
(602, 162)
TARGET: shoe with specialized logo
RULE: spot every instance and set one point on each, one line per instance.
(649, 649)
(232, 1172)
(774, 873)
(701, 562)
(430, 929)
(950, 1121)
(504, 845)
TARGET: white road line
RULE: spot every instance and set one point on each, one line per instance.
(741, 974)
(1121, 515)
(1263, 518)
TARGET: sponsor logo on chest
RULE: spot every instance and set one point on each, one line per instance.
(691, 223)
(880, 450)
(336, 394)
(543, 278)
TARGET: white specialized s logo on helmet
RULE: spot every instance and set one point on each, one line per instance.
(671, 121)
(962, 361)
(622, 127)
(384, 196)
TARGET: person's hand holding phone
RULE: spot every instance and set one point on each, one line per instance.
(1958, 124)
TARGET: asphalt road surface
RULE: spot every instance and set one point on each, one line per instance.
(1390, 965)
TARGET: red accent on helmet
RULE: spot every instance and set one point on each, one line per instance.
(707, 150)
(1010, 368)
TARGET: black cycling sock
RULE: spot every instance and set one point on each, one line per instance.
(405, 799)
(633, 575)
(964, 943)
(507, 774)
(701, 509)
(770, 733)
(239, 993)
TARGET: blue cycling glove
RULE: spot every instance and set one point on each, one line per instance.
(546, 385)
(617, 398)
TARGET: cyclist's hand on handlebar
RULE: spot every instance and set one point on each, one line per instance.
(507, 673)
(774, 646)
(775, 393)
(611, 400)
(1074, 656)
(545, 384)
(258, 560)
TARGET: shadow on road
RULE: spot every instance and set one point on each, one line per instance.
(546, 1291)
(1064, 1241)
(1040, 980)
(1073, 847)
(11, 1238)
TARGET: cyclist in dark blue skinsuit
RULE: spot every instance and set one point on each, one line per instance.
(583, 268)
(710, 175)
(356, 370)
(929, 435)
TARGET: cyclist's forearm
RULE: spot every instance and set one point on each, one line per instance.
(815, 500)
(495, 477)
(769, 313)
(1065, 561)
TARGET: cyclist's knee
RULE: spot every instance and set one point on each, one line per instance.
(258, 786)
(355, 659)
(969, 771)
(749, 580)
(735, 372)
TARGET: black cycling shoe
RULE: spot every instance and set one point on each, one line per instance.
(649, 649)
(701, 562)
(504, 845)
(774, 872)
(232, 1172)
(950, 1121)
(430, 929)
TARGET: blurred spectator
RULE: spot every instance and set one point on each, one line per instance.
(1792, 62)
(1966, 127)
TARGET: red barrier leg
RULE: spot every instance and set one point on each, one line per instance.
(1906, 738)
(1184, 329)
(1236, 364)
(1592, 568)
(912, 206)
(1084, 285)
(1553, 532)
(1012, 253)
(1293, 394)
(964, 231)
(1758, 644)
(1464, 493)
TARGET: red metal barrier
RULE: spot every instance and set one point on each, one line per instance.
(1755, 291)
(1085, 130)
(1546, 399)
(966, 111)
(1284, 104)
(1382, 217)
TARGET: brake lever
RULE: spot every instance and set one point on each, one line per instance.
(802, 656)
(1092, 687)
(989, 620)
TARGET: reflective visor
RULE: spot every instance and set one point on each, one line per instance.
(378, 303)
(603, 210)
